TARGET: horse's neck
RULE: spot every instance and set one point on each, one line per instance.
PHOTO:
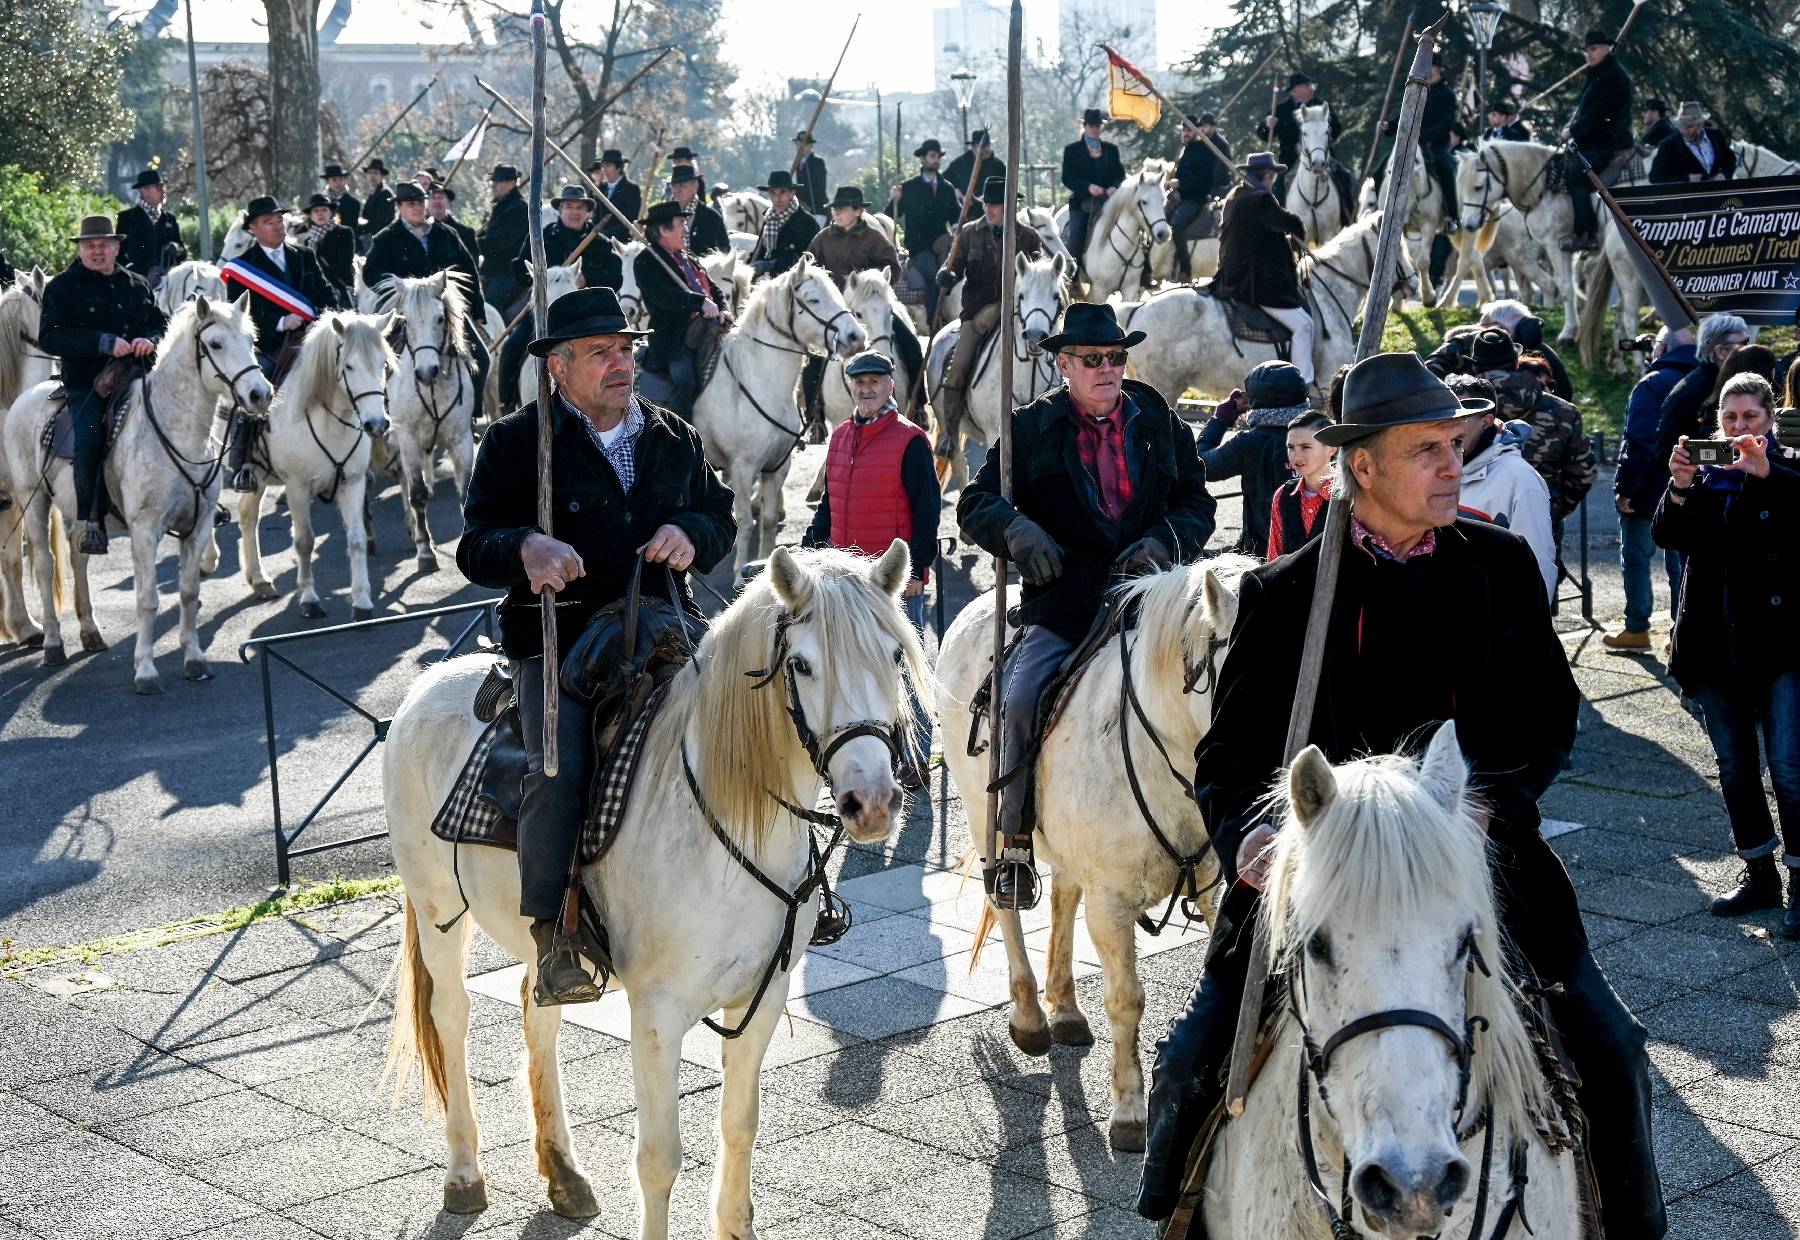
(777, 354)
(1524, 173)
(1110, 220)
(182, 405)
(328, 409)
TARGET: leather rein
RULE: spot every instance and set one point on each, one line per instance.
(829, 327)
(209, 467)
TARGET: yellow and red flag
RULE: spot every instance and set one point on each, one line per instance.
(1131, 96)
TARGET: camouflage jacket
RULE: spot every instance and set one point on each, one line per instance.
(1559, 447)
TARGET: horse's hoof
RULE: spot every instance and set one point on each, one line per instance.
(428, 564)
(92, 641)
(55, 656)
(1126, 1136)
(147, 686)
(196, 669)
(1034, 1042)
(312, 610)
(359, 613)
(263, 589)
(468, 1198)
(574, 1198)
(33, 642)
(1071, 1031)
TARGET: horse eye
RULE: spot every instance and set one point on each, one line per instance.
(1319, 948)
(1465, 947)
(801, 666)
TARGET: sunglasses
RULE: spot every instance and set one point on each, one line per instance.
(1093, 361)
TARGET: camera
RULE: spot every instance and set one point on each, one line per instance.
(1710, 451)
(1643, 344)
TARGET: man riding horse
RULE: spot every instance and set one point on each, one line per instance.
(94, 311)
(1201, 177)
(845, 246)
(1105, 483)
(1601, 131)
(1091, 171)
(149, 229)
(1282, 127)
(500, 239)
(335, 246)
(628, 479)
(788, 228)
(1257, 263)
(1427, 608)
(600, 268)
(681, 310)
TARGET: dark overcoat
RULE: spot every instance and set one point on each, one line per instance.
(1256, 263)
(347, 210)
(958, 175)
(499, 242)
(810, 186)
(672, 305)
(707, 233)
(1081, 170)
(791, 241)
(1051, 486)
(600, 264)
(1603, 113)
(81, 308)
(1675, 162)
(337, 254)
(304, 275)
(925, 211)
(141, 251)
(629, 199)
(395, 251)
(1287, 127)
(1199, 174)
(377, 211)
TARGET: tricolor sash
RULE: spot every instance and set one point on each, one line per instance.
(236, 270)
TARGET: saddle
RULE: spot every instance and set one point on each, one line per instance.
(113, 386)
(1202, 226)
(704, 337)
(1251, 324)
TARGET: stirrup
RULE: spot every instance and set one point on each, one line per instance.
(561, 978)
(93, 538)
(244, 481)
(1012, 881)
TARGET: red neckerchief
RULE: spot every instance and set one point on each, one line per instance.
(1101, 443)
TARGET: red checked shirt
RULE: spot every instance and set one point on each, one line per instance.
(1377, 547)
(1101, 443)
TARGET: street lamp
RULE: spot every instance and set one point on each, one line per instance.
(965, 95)
(1484, 21)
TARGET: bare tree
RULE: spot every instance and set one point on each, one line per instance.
(294, 94)
(240, 147)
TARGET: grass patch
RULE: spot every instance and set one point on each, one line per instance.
(302, 897)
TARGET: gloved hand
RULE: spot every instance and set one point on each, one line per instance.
(288, 322)
(1035, 552)
(1146, 555)
(946, 278)
(1231, 408)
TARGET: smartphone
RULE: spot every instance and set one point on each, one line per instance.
(1710, 451)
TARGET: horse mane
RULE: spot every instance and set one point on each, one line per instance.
(1168, 604)
(178, 337)
(747, 751)
(756, 309)
(414, 295)
(1367, 225)
(1153, 169)
(875, 283)
(17, 317)
(315, 370)
(1385, 848)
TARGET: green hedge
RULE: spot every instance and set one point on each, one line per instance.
(37, 220)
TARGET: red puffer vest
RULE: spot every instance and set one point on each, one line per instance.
(869, 508)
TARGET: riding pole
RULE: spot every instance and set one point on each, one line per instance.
(1248, 82)
(1388, 98)
(1168, 103)
(1337, 523)
(455, 167)
(395, 124)
(1568, 77)
(618, 94)
(1009, 310)
(540, 309)
(825, 94)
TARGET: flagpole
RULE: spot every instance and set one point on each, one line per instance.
(1570, 76)
(1248, 83)
(1650, 270)
(541, 314)
(825, 94)
(1388, 98)
(356, 164)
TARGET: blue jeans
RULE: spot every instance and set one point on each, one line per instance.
(1733, 715)
(1636, 549)
(918, 752)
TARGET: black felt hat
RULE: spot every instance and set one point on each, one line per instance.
(683, 155)
(1394, 389)
(583, 313)
(261, 205)
(848, 196)
(97, 228)
(612, 155)
(1298, 79)
(927, 147)
(1093, 116)
(503, 172)
(408, 191)
(662, 213)
(981, 137)
(681, 174)
(781, 178)
(317, 200)
(572, 193)
(1493, 349)
(148, 176)
(1087, 322)
(1596, 35)
(333, 170)
(375, 165)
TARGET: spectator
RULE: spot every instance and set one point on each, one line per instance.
(1258, 454)
(1558, 446)
(1498, 485)
(1752, 359)
(1639, 484)
(1527, 330)
(1729, 649)
(1719, 336)
(1294, 513)
(1784, 369)
(1452, 356)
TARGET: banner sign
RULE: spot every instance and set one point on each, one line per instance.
(1731, 247)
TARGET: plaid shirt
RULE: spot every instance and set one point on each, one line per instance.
(1101, 443)
(1377, 547)
(619, 454)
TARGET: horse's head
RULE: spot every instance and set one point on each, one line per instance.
(1381, 910)
(818, 316)
(848, 650)
(432, 308)
(1043, 292)
(364, 362)
(1315, 136)
(1185, 615)
(731, 276)
(558, 281)
(870, 298)
(1043, 223)
(224, 343)
(631, 300)
(1481, 185)
(1147, 192)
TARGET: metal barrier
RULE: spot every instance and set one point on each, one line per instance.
(268, 649)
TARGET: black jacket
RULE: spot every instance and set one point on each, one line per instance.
(1511, 695)
(396, 252)
(1051, 486)
(671, 305)
(1742, 579)
(1287, 127)
(925, 212)
(958, 176)
(1080, 170)
(629, 199)
(82, 308)
(1199, 174)
(1516, 131)
(141, 251)
(707, 233)
(1440, 113)
(790, 243)
(1603, 113)
(1642, 475)
(1256, 263)
(594, 515)
(500, 239)
(1258, 455)
(347, 210)
(1654, 136)
(336, 252)
(1686, 408)
(810, 186)
(1675, 162)
(377, 211)
(304, 275)
(600, 264)
(471, 241)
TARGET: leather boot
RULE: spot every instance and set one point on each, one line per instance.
(1760, 889)
(561, 977)
(1012, 881)
(237, 456)
(951, 398)
(1790, 920)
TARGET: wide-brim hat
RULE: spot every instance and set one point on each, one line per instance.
(869, 362)
(1596, 35)
(1299, 79)
(148, 176)
(440, 187)
(1261, 161)
(781, 178)
(683, 155)
(406, 191)
(805, 135)
(1690, 113)
(375, 165)
(317, 200)
(680, 174)
(612, 155)
(1653, 104)
(1394, 389)
(1493, 349)
(259, 206)
(572, 193)
(577, 316)
(1506, 107)
(97, 228)
(993, 191)
(848, 196)
(927, 147)
(333, 170)
(1087, 322)
(981, 137)
(1093, 116)
(662, 213)
(503, 172)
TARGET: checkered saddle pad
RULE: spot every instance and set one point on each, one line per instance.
(58, 439)
(1250, 325)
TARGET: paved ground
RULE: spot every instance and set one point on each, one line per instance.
(228, 1085)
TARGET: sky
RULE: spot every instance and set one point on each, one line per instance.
(893, 45)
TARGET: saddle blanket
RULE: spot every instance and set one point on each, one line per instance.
(59, 432)
(468, 817)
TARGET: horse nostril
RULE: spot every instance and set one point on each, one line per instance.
(850, 806)
(1376, 1190)
(1453, 1183)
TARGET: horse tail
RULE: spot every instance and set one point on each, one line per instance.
(1484, 240)
(57, 535)
(414, 1041)
(1593, 320)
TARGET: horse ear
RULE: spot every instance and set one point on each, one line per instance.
(893, 568)
(1443, 772)
(441, 280)
(242, 300)
(385, 323)
(1311, 785)
(793, 585)
(201, 306)
(531, 269)
(337, 324)
(1061, 266)
(1022, 262)
(1221, 602)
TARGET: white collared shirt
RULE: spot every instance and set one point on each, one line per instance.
(276, 256)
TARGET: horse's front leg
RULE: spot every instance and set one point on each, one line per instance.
(1067, 1025)
(743, 484)
(1110, 923)
(769, 515)
(145, 535)
(250, 543)
(299, 498)
(84, 600)
(193, 659)
(656, 1031)
(356, 542)
(733, 1215)
(44, 559)
(571, 1191)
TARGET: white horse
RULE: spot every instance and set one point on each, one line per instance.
(1380, 904)
(873, 301)
(558, 282)
(746, 414)
(1047, 226)
(690, 934)
(743, 211)
(1190, 344)
(1502, 242)
(1042, 294)
(1312, 194)
(1099, 849)
(316, 444)
(1130, 219)
(631, 298)
(23, 365)
(186, 281)
(1515, 172)
(431, 394)
(161, 473)
(1760, 161)
(743, 244)
(732, 276)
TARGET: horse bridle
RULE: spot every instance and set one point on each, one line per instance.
(429, 403)
(1118, 224)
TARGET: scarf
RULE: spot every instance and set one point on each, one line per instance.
(1277, 415)
(773, 223)
(314, 234)
(153, 211)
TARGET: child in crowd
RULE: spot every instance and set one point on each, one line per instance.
(1295, 510)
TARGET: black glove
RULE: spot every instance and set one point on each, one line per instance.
(946, 278)
(1231, 408)
(1146, 555)
(1035, 552)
